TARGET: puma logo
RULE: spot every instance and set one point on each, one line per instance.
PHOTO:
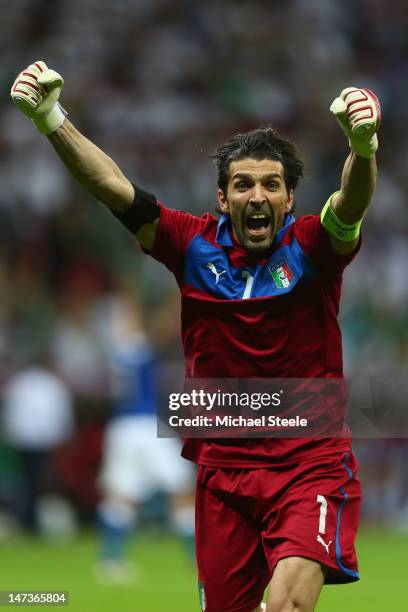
(321, 541)
(213, 269)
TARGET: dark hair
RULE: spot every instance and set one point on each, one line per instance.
(262, 143)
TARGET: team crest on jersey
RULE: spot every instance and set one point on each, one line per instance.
(202, 597)
(281, 274)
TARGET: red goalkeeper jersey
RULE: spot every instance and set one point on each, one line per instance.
(246, 315)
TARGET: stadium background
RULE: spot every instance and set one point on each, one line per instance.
(158, 85)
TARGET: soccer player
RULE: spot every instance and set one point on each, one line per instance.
(260, 298)
(136, 463)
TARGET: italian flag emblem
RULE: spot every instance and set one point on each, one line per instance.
(281, 275)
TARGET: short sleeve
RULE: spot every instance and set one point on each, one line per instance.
(175, 231)
(315, 243)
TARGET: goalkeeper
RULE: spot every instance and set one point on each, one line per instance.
(260, 299)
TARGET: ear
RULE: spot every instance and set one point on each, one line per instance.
(289, 203)
(222, 201)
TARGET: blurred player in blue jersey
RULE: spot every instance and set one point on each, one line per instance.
(136, 464)
(260, 298)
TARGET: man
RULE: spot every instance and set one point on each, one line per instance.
(277, 512)
(136, 464)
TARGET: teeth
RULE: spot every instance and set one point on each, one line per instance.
(258, 216)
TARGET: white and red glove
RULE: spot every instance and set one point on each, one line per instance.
(358, 112)
(36, 91)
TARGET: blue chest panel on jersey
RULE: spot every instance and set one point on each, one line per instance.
(207, 268)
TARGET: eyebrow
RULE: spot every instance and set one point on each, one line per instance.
(249, 176)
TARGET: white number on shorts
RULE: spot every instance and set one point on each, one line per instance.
(323, 513)
(248, 286)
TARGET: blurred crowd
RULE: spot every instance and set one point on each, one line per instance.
(158, 85)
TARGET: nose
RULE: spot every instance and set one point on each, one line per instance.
(257, 196)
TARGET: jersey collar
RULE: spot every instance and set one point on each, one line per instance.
(223, 236)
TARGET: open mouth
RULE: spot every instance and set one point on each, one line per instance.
(257, 224)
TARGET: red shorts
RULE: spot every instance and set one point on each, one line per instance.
(249, 519)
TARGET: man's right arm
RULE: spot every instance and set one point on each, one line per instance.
(36, 92)
(99, 175)
(92, 168)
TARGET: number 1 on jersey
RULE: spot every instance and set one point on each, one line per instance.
(248, 286)
(323, 513)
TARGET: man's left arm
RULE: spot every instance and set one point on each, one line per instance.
(351, 202)
(358, 114)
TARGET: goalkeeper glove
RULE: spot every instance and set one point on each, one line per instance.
(358, 112)
(36, 91)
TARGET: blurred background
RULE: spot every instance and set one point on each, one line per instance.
(158, 85)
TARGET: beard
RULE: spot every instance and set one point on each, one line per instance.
(254, 241)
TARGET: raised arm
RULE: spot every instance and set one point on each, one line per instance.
(358, 113)
(92, 168)
(36, 92)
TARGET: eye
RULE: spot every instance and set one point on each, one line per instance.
(242, 185)
(272, 185)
